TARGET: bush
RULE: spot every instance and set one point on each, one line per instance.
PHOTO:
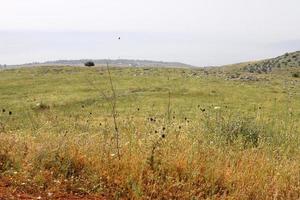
(5, 161)
(240, 128)
(232, 129)
(89, 64)
(9, 152)
(296, 75)
(41, 106)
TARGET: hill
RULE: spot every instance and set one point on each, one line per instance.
(288, 60)
(116, 62)
(285, 61)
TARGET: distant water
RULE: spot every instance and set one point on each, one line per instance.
(196, 49)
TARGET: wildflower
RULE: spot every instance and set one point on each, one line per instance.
(217, 107)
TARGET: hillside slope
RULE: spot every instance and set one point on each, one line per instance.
(288, 60)
(285, 61)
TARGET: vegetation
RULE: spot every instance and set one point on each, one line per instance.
(286, 61)
(296, 75)
(148, 133)
(89, 64)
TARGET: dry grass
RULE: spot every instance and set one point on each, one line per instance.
(175, 163)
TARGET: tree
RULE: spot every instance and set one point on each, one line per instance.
(89, 64)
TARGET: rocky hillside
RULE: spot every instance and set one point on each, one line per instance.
(284, 61)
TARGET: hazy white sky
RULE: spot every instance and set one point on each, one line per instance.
(199, 32)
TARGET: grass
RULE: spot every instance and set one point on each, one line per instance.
(209, 138)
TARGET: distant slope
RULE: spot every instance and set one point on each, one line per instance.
(117, 62)
(287, 60)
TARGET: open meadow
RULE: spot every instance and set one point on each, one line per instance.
(148, 133)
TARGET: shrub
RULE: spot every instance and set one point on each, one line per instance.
(243, 129)
(9, 152)
(41, 106)
(296, 75)
(89, 64)
(6, 161)
(66, 162)
(231, 129)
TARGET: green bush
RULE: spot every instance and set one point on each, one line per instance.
(241, 128)
(89, 64)
(296, 75)
(232, 129)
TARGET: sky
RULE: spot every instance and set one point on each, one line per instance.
(197, 32)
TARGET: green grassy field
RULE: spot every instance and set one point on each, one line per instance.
(181, 134)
